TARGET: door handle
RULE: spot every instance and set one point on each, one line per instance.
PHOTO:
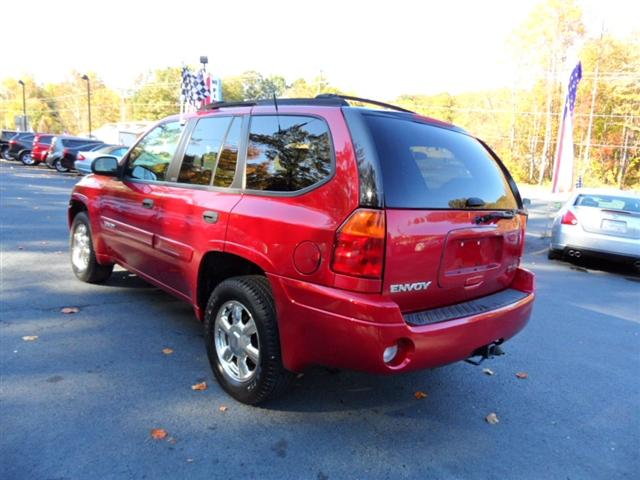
(210, 217)
(147, 203)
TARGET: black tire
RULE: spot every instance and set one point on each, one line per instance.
(269, 378)
(553, 254)
(5, 154)
(48, 162)
(93, 272)
(26, 158)
(58, 166)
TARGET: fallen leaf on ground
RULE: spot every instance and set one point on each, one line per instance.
(488, 371)
(199, 386)
(158, 433)
(522, 375)
(223, 408)
(30, 338)
(492, 419)
(167, 351)
(420, 395)
(68, 310)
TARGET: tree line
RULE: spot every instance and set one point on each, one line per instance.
(520, 122)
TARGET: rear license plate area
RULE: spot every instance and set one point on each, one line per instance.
(613, 226)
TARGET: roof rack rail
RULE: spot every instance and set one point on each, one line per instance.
(214, 105)
(324, 99)
(364, 100)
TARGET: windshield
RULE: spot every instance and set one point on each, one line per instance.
(428, 167)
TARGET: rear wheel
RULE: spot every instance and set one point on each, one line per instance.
(5, 154)
(554, 254)
(83, 257)
(58, 166)
(242, 340)
(26, 158)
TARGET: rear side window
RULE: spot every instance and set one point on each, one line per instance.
(226, 168)
(203, 150)
(287, 153)
(429, 167)
(151, 157)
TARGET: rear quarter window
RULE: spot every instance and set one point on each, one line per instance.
(287, 153)
(429, 167)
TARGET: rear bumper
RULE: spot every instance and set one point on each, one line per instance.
(336, 328)
(574, 237)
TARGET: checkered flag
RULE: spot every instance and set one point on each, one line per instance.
(194, 88)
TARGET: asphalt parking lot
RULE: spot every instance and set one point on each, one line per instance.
(80, 400)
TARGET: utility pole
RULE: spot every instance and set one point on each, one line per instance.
(86, 78)
(24, 107)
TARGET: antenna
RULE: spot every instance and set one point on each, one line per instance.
(275, 103)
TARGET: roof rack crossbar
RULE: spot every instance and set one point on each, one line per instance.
(364, 100)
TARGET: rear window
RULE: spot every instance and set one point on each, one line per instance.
(45, 140)
(613, 202)
(428, 167)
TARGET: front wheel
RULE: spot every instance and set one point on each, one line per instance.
(83, 257)
(243, 342)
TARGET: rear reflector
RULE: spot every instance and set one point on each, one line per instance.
(569, 218)
(359, 245)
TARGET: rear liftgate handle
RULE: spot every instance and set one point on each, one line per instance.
(210, 217)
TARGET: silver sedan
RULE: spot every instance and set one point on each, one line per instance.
(598, 223)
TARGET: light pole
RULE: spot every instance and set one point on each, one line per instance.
(85, 77)
(24, 106)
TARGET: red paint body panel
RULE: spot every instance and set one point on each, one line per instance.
(327, 326)
(324, 318)
(462, 260)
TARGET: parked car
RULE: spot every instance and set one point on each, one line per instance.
(81, 160)
(314, 233)
(72, 145)
(84, 159)
(5, 136)
(40, 148)
(20, 147)
(598, 223)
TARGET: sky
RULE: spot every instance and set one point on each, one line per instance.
(371, 48)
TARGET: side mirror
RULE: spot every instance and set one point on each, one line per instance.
(106, 165)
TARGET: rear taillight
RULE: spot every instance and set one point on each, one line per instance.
(81, 157)
(569, 218)
(12, 142)
(359, 245)
(65, 151)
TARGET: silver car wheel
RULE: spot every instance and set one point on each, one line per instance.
(81, 247)
(236, 341)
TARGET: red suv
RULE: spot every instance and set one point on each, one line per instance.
(40, 148)
(312, 232)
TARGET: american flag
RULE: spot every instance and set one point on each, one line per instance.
(563, 168)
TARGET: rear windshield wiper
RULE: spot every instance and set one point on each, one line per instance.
(495, 216)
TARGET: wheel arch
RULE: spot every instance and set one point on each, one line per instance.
(78, 203)
(215, 267)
